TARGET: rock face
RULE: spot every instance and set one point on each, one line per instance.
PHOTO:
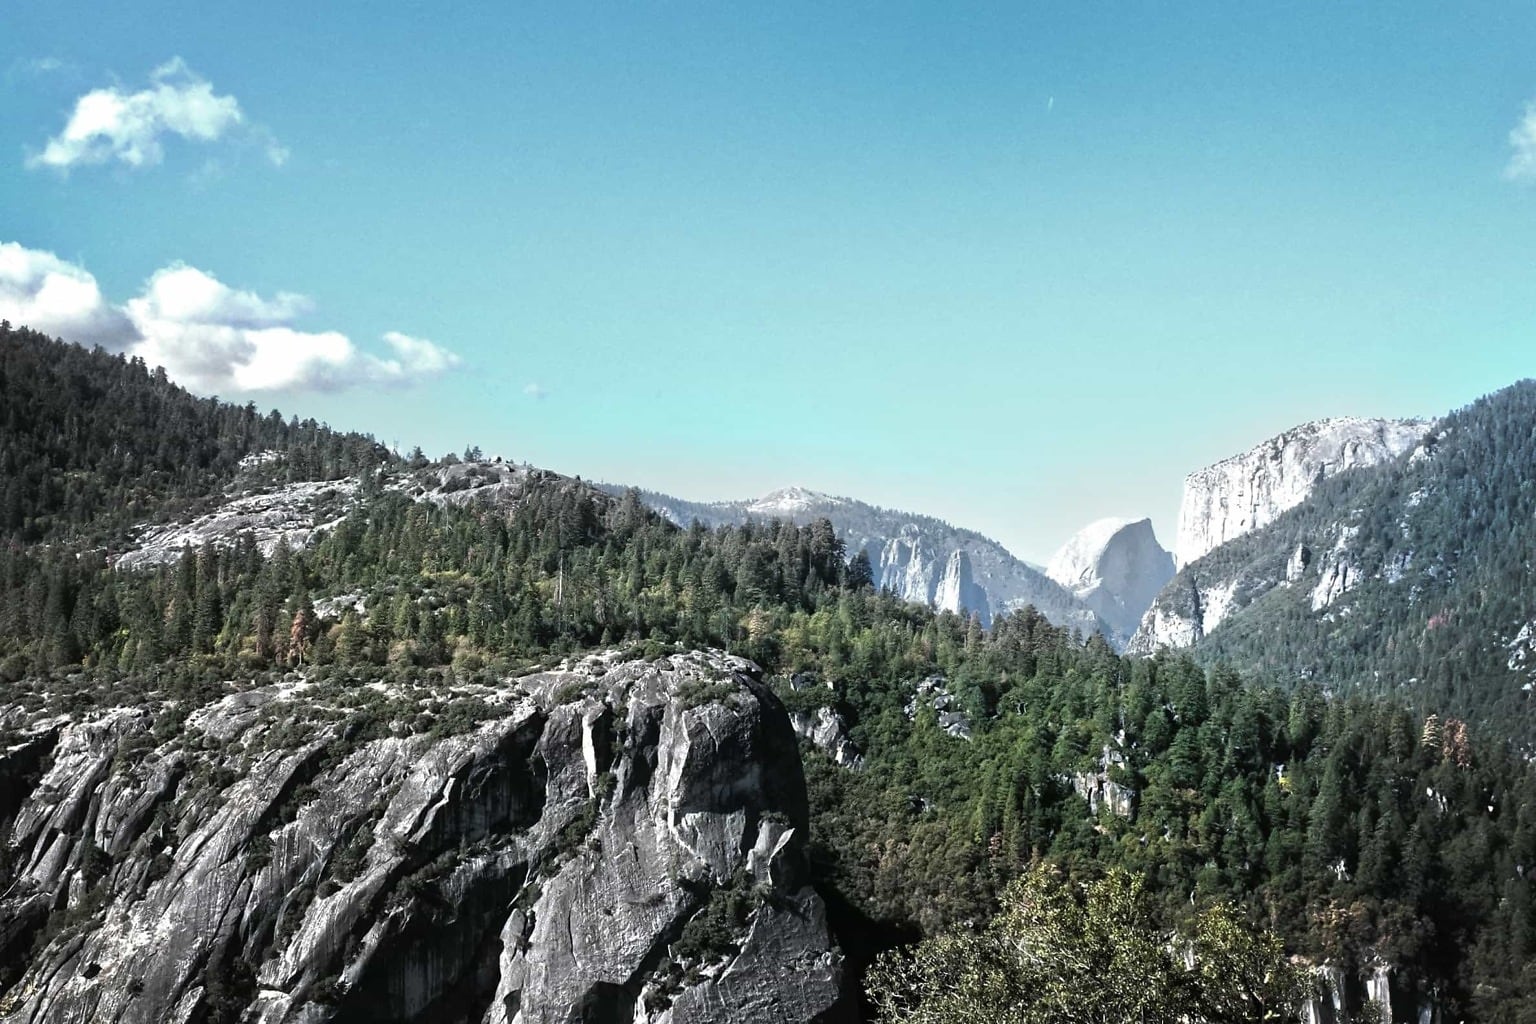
(1188, 608)
(1116, 567)
(485, 482)
(826, 730)
(957, 590)
(295, 513)
(1099, 789)
(918, 558)
(613, 841)
(1247, 491)
(951, 715)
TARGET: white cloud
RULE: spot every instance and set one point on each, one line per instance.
(113, 125)
(50, 295)
(535, 392)
(415, 356)
(1522, 140)
(186, 294)
(207, 335)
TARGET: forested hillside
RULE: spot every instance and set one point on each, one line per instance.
(1412, 578)
(1366, 832)
(91, 443)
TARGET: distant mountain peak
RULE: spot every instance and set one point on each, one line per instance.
(1116, 567)
(789, 500)
(1072, 562)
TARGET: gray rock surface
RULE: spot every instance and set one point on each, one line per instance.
(610, 841)
(1231, 507)
(295, 513)
(1101, 791)
(1340, 996)
(1115, 567)
(951, 715)
(826, 730)
(299, 513)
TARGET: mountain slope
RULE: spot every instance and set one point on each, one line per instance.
(918, 558)
(1116, 567)
(1226, 500)
(1412, 576)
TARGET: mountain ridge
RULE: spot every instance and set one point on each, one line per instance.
(211, 731)
(911, 554)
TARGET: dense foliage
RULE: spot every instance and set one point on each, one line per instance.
(1359, 830)
(1063, 954)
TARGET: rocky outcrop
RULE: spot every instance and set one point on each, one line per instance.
(906, 567)
(913, 556)
(1191, 606)
(611, 841)
(494, 482)
(950, 713)
(293, 514)
(1247, 491)
(825, 730)
(1228, 550)
(957, 591)
(1115, 567)
(1100, 789)
(1201, 597)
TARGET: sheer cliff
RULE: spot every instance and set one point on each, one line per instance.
(1116, 567)
(1409, 576)
(1240, 494)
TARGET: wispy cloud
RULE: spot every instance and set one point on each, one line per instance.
(207, 335)
(35, 66)
(113, 125)
(1522, 142)
(535, 392)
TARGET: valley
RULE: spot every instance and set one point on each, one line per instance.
(325, 732)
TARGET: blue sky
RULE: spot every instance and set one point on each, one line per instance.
(1016, 267)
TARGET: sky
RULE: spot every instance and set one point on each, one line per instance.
(1017, 266)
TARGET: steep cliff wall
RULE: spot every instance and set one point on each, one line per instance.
(1247, 491)
(1223, 567)
(612, 841)
(1115, 567)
